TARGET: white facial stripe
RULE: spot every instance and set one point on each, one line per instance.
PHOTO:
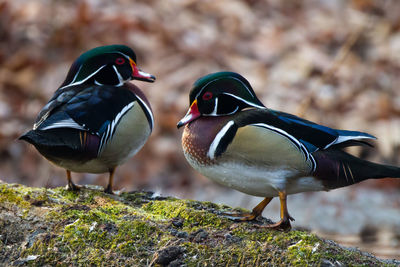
(236, 109)
(121, 54)
(118, 52)
(120, 79)
(201, 90)
(148, 111)
(244, 101)
(84, 80)
(215, 115)
(217, 139)
(245, 86)
(214, 112)
(76, 75)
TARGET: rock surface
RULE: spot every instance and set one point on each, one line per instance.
(41, 226)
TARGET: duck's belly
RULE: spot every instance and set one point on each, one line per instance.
(91, 166)
(255, 180)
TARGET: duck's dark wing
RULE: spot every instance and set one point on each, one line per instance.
(309, 137)
(93, 110)
(319, 145)
(315, 136)
(312, 135)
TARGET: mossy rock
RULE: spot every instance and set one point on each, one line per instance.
(41, 226)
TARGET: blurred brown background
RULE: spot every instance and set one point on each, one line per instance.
(335, 62)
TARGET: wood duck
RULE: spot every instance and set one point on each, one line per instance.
(96, 119)
(233, 139)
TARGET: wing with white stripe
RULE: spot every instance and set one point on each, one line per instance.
(261, 145)
(95, 109)
(305, 136)
(312, 135)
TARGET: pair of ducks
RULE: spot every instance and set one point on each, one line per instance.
(97, 120)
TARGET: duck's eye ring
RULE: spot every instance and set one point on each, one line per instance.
(207, 96)
(119, 61)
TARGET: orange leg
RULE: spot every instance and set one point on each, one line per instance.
(250, 216)
(71, 186)
(109, 188)
(284, 223)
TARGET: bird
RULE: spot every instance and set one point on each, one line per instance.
(97, 119)
(234, 140)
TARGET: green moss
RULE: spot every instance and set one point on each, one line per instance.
(71, 196)
(14, 194)
(95, 231)
(124, 238)
(174, 208)
(245, 253)
(93, 228)
(303, 253)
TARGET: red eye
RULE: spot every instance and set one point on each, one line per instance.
(207, 96)
(119, 61)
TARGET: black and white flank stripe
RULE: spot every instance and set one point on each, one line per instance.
(110, 130)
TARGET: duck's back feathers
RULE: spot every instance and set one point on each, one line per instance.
(313, 136)
(305, 137)
(91, 108)
(79, 121)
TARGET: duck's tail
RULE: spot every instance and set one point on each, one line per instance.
(336, 168)
(63, 143)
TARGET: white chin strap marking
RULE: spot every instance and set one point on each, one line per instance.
(217, 139)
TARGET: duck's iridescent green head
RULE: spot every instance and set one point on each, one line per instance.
(108, 65)
(220, 94)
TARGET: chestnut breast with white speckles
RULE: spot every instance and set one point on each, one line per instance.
(198, 136)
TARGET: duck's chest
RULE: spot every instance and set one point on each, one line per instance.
(198, 136)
